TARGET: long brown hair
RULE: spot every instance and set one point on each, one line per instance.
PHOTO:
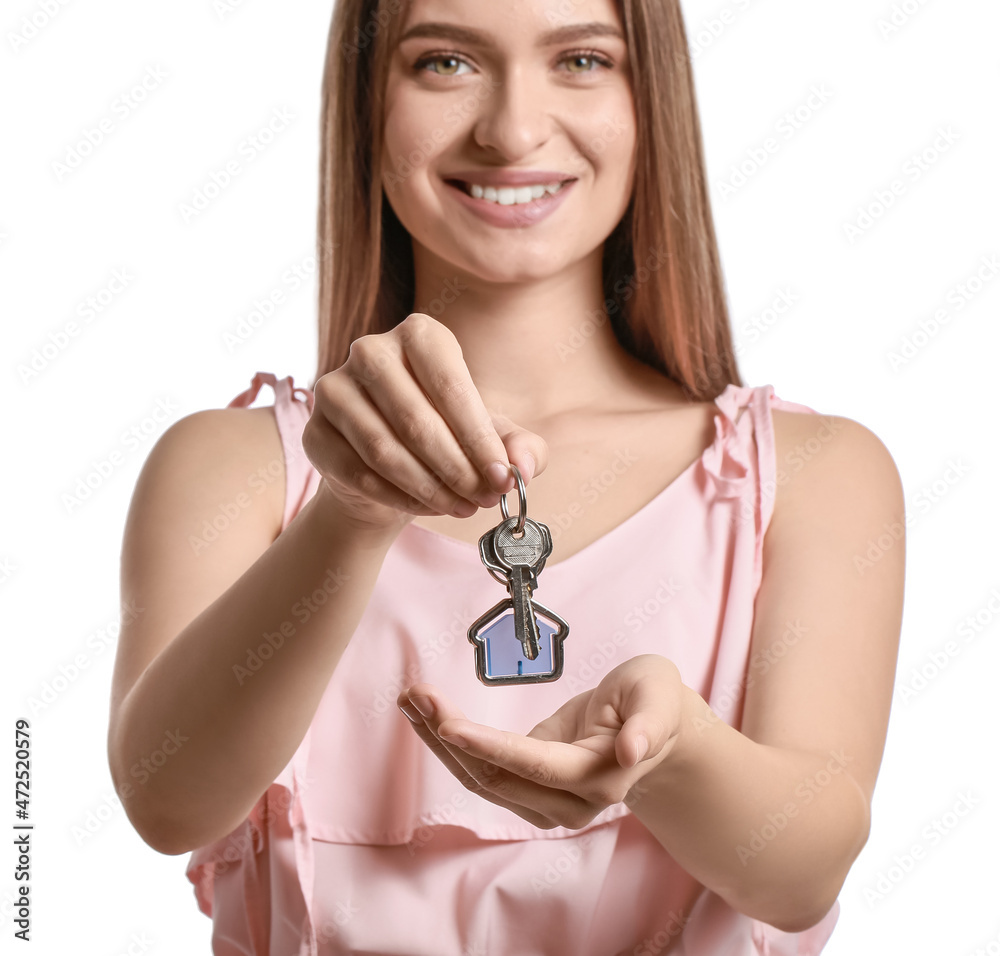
(673, 317)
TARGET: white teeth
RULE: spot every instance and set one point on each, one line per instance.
(510, 196)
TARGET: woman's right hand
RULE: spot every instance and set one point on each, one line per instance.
(400, 430)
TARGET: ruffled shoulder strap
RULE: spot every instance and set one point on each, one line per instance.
(291, 413)
(750, 427)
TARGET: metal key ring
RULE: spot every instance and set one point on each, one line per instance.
(522, 502)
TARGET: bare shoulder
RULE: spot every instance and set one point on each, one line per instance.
(234, 451)
(208, 501)
(830, 601)
(831, 461)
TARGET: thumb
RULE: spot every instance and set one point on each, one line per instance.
(652, 714)
(637, 741)
(530, 452)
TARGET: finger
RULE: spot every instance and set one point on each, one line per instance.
(528, 791)
(435, 356)
(530, 452)
(565, 723)
(550, 763)
(379, 455)
(473, 777)
(650, 710)
(332, 455)
(567, 783)
(421, 428)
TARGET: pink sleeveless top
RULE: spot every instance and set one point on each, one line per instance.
(366, 844)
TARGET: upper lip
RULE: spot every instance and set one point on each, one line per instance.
(510, 177)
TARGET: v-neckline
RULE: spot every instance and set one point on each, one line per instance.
(473, 549)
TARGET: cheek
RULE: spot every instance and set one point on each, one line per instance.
(411, 141)
(607, 133)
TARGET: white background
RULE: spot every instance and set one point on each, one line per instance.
(160, 344)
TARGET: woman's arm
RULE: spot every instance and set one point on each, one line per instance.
(771, 818)
(198, 731)
(200, 723)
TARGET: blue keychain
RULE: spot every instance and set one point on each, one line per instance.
(517, 641)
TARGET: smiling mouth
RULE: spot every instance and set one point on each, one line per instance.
(508, 195)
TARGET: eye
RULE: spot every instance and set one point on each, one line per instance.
(438, 58)
(591, 55)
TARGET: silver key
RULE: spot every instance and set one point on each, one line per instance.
(522, 558)
(514, 553)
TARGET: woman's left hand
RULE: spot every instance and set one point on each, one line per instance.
(572, 765)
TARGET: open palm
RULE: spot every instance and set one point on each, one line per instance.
(571, 765)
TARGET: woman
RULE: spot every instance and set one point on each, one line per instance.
(519, 268)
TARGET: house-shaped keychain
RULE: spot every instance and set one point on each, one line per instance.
(500, 657)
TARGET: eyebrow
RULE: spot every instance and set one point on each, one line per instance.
(567, 34)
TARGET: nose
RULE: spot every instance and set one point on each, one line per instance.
(514, 116)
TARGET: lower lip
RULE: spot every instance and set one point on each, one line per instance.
(516, 216)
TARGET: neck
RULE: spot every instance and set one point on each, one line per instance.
(535, 348)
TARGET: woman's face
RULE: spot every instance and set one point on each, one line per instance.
(510, 95)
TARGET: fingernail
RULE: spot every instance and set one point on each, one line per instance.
(456, 740)
(529, 465)
(641, 746)
(497, 475)
(411, 714)
(464, 509)
(424, 704)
